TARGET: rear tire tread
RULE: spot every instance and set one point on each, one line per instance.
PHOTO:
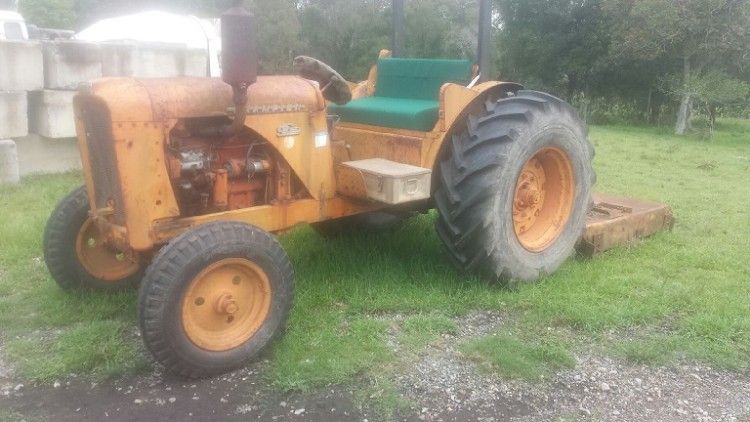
(466, 172)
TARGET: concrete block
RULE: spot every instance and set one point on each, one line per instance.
(70, 63)
(152, 60)
(40, 155)
(119, 59)
(14, 121)
(8, 162)
(51, 113)
(21, 67)
(196, 62)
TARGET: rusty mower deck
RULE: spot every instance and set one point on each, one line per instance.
(618, 221)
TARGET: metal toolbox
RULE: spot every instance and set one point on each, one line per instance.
(384, 181)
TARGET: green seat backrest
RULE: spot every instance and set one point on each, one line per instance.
(419, 79)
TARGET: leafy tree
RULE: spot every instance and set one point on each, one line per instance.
(441, 28)
(712, 89)
(49, 13)
(640, 58)
(557, 45)
(700, 34)
(278, 34)
(347, 34)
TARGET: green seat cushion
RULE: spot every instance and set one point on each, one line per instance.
(406, 94)
(401, 113)
(419, 79)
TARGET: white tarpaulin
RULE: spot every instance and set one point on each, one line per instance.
(159, 27)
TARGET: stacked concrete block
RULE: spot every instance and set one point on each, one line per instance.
(37, 154)
(152, 60)
(8, 162)
(39, 80)
(14, 121)
(196, 62)
(67, 64)
(51, 113)
(21, 66)
(21, 70)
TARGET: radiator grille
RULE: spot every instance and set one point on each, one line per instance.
(97, 122)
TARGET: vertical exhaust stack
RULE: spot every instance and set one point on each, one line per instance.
(239, 58)
(397, 47)
(485, 32)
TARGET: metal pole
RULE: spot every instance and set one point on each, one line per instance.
(398, 28)
(485, 23)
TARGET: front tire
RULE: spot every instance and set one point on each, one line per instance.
(77, 255)
(214, 298)
(515, 187)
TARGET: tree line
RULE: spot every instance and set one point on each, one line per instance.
(618, 61)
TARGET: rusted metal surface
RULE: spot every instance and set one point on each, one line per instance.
(97, 146)
(272, 218)
(350, 182)
(543, 199)
(366, 88)
(359, 142)
(139, 115)
(616, 221)
(149, 100)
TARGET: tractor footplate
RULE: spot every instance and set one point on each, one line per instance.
(617, 221)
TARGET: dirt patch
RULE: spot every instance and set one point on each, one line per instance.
(240, 396)
(6, 372)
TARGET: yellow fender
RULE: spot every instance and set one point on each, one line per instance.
(456, 103)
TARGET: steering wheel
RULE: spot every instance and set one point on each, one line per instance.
(333, 86)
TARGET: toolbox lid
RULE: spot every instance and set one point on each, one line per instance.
(388, 168)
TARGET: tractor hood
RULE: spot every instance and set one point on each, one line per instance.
(161, 100)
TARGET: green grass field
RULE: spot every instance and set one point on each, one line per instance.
(679, 295)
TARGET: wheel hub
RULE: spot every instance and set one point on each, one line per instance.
(529, 197)
(226, 304)
(543, 199)
(99, 259)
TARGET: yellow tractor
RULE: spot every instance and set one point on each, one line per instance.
(187, 179)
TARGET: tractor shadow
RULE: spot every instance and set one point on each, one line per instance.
(399, 267)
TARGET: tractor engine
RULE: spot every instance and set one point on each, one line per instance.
(215, 166)
(217, 173)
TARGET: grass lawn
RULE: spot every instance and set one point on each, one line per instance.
(684, 294)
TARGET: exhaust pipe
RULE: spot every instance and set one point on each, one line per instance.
(239, 59)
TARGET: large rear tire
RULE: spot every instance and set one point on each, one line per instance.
(214, 298)
(77, 255)
(515, 187)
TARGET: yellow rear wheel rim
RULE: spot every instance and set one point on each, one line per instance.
(226, 304)
(543, 199)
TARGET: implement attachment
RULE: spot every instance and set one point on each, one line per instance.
(616, 221)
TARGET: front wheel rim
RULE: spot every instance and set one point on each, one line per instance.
(543, 199)
(226, 304)
(98, 259)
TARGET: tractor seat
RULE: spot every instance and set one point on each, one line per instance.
(406, 94)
